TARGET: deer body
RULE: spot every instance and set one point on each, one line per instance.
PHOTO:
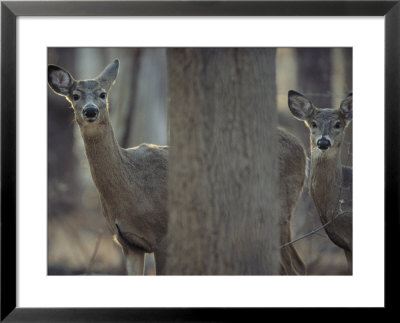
(331, 190)
(132, 183)
(330, 182)
(292, 165)
(132, 186)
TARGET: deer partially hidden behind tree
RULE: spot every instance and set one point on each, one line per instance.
(132, 183)
(330, 182)
(292, 174)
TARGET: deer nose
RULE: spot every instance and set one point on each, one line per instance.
(323, 144)
(90, 111)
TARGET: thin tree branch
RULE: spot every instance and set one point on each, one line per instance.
(96, 248)
(313, 231)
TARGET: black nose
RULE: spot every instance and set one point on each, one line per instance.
(90, 111)
(323, 144)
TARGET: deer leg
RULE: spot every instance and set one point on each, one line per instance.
(349, 258)
(291, 262)
(135, 261)
(160, 256)
(297, 263)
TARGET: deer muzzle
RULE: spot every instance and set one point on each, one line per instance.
(323, 143)
(90, 112)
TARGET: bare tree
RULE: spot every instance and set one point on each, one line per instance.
(223, 157)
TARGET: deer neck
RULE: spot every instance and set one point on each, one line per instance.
(104, 157)
(325, 181)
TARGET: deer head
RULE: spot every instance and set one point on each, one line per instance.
(88, 98)
(326, 125)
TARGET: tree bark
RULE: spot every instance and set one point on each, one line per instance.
(223, 158)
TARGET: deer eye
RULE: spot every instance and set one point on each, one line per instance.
(103, 95)
(76, 97)
(313, 125)
(337, 125)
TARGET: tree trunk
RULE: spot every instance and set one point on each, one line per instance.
(222, 166)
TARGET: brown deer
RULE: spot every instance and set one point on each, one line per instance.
(132, 183)
(292, 174)
(330, 182)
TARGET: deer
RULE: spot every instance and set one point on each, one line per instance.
(330, 182)
(292, 173)
(132, 183)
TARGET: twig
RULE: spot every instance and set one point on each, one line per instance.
(313, 231)
(96, 248)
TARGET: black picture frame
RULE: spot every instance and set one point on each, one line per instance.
(10, 10)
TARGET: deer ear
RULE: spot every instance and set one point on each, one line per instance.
(60, 81)
(299, 105)
(108, 76)
(346, 108)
